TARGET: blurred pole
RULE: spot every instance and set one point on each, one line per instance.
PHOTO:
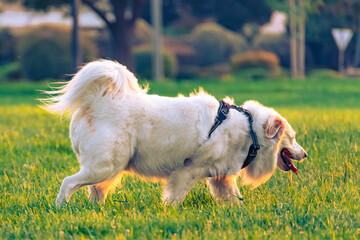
(341, 60)
(75, 46)
(157, 63)
(357, 50)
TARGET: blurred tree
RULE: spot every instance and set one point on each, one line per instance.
(118, 15)
(75, 43)
(125, 13)
(232, 14)
(333, 14)
(169, 9)
(7, 46)
(294, 56)
(297, 11)
(321, 17)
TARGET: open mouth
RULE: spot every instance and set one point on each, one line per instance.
(286, 157)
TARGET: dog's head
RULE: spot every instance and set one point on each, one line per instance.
(277, 141)
(279, 130)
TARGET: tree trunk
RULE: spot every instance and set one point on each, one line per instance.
(157, 64)
(122, 42)
(75, 43)
(293, 41)
(301, 39)
(122, 29)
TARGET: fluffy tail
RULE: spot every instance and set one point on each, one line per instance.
(94, 80)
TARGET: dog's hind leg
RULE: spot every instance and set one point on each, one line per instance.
(101, 163)
(98, 192)
(100, 172)
(179, 183)
(86, 176)
(225, 188)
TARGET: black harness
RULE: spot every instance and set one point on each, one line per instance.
(223, 110)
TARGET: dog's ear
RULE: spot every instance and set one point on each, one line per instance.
(274, 127)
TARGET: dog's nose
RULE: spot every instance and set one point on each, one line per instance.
(305, 154)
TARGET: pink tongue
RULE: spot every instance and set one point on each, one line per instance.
(293, 168)
(289, 162)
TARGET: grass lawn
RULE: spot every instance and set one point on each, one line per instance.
(320, 202)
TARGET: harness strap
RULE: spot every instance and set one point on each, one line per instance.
(221, 116)
(223, 110)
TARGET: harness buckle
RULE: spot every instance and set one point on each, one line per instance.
(221, 116)
(223, 111)
(253, 150)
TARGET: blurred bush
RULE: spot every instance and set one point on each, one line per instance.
(260, 73)
(183, 25)
(323, 73)
(214, 44)
(143, 33)
(256, 59)
(214, 71)
(280, 45)
(10, 71)
(188, 72)
(45, 51)
(7, 46)
(143, 62)
(181, 47)
(250, 31)
(275, 43)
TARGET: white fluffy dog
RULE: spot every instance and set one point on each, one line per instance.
(117, 127)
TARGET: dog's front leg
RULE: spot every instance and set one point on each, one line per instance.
(179, 183)
(225, 188)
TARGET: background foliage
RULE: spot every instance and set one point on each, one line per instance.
(235, 27)
(143, 59)
(214, 44)
(45, 52)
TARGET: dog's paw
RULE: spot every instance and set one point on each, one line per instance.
(232, 199)
(171, 201)
(60, 202)
(238, 200)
